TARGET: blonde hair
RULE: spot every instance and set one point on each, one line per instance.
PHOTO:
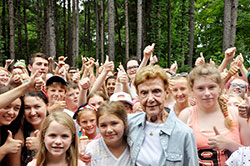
(211, 72)
(151, 72)
(65, 120)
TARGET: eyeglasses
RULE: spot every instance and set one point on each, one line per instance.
(132, 67)
(183, 74)
(242, 86)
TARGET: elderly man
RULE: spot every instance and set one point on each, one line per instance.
(156, 136)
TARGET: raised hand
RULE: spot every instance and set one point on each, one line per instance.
(108, 65)
(200, 60)
(8, 62)
(122, 76)
(12, 145)
(174, 67)
(84, 83)
(244, 108)
(36, 82)
(32, 143)
(148, 51)
(153, 60)
(229, 53)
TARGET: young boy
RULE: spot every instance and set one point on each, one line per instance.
(56, 90)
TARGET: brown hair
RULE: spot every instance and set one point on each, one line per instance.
(40, 55)
(151, 72)
(210, 71)
(65, 120)
(81, 112)
(112, 107)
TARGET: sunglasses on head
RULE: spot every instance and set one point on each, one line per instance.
(183, 74)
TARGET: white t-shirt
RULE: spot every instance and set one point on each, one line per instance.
(240, 157)
(100, 154)
(148, 150)
(71, 114)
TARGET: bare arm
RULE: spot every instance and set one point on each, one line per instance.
(34, 84)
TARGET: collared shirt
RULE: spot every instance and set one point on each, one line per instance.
(177, 140)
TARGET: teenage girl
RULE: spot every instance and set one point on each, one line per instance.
(58, 142)
(35, 111)
(10, 135)
(111, 148)
(86, 118)
(179, 91)
(218, 129)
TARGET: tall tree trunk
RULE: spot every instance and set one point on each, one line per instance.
(70, 56)
(234, 15)
(4, 50)
(191, 34)
(57, 28)
(88, 29)
(51, 29)
(102, 30)
(12, 29)
(38, 31)
(183, 33)
(118, 28)
(169, 33)
(45, 33)
(97, 44)
(19, 30)
(139, 29)
(77, 32)
(73, 28)
(126, 31)
(64, 29)
(27, 52)
(111, 30)
(226, 24)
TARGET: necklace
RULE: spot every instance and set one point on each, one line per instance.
(151, 132)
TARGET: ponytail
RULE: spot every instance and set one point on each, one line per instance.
(223, 107)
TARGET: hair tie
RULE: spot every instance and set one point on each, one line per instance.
(83, 106)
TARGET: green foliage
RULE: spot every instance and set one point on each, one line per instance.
(208, 33)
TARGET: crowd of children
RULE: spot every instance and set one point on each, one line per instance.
(96, 116)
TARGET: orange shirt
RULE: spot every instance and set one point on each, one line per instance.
(208, 156)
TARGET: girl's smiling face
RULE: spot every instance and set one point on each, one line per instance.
(57, 139)
(179, 90)
(112, 129)
(88, 121)
(9, 113)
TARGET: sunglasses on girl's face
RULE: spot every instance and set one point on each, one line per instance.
(242, 86)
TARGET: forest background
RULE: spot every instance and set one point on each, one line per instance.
(180, 29)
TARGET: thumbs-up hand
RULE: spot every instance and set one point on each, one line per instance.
(244, 108)
(148, 51)
(108, 65)
(36, 82)
(12, 145)
(32, 143)
(229, 53)
(84, 83)
(200, 60)
(218, 142)
(174, 67)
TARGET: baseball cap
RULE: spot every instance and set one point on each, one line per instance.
(121, 96)
(55, 79)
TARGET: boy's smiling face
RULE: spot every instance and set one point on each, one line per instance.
(56, 92)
